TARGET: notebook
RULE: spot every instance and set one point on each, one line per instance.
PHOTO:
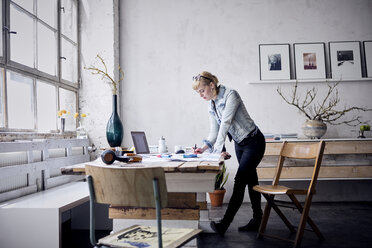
(140, 142)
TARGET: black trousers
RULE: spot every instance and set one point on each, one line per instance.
(249, 153)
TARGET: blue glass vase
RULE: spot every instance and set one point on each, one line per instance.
(114, 128)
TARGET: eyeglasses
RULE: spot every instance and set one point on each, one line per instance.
(197, 78)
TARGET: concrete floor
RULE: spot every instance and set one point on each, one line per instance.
(342, 224)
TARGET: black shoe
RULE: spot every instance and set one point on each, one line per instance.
(252, 226)
(219, 228)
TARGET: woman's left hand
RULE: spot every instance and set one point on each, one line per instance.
(226, 155)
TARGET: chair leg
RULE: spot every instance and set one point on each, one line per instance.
(92, 217)
(265, 216)
(309, 220)
(280, 213)
(158, 211)
(304, 218)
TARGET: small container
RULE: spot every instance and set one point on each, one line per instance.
(162, 146)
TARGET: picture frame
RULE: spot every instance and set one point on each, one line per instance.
(367, 45)
(310, 60)
(274, 62)
(345, 59)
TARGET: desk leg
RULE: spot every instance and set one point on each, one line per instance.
(204, 221)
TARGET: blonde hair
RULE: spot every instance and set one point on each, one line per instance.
(205, 78)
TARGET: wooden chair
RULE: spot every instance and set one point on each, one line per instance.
(296, 151)
(133, 187)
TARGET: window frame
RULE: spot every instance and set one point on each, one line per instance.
(7, 65)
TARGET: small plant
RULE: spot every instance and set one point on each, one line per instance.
(221, 179)
(62, 112)
(103, 72)
(324, 110)
(76, 115)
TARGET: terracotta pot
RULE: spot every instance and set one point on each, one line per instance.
(217, 197)
(314, 129)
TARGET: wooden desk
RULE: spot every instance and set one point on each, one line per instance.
(180, 176)
(187, 184)
(343, 159)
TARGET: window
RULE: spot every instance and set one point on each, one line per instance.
(1, 22)
(22, 43)
(2, 107)
(69, 40)
(46, 106)
(20, 101)
(67, 101)
(39, 67)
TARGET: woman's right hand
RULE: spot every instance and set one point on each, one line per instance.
(198, 150)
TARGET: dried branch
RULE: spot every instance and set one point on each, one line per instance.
(103, 72)
(324, 111)
(294, 101)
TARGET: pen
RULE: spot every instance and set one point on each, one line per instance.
(195, 149)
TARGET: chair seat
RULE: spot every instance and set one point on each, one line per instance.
(278, 190)
(146, 236)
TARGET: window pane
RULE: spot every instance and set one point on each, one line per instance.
(20, 101)
(2, 124)
(69, 19)
(47, 11)
(22, 43)
(69, 65)
(47, 50)
(67, 101)
(26, 4)
(46, 107)
(1, 24)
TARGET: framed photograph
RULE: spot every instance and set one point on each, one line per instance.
(274, 61)
(368, 56)
(345, 59)
(310, 60)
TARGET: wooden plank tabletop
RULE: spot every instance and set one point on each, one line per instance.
(169, 166)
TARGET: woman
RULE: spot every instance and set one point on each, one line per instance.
(229, 117)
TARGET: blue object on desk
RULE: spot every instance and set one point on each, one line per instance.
(190, 155)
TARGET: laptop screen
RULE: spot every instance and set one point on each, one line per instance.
(140, 142)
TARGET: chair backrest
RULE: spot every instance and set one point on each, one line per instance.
(301, 151)
(131, 187)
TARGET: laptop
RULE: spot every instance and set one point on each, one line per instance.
(140, 142)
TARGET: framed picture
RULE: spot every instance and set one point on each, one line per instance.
(345, 59)
(310, 60)
(368, 56)
(274, 61)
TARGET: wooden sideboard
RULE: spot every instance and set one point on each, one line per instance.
(343, 159)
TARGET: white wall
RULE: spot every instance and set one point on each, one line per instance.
(164, 43)
(99, 35)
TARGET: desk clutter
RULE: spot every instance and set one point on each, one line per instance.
(280, 136)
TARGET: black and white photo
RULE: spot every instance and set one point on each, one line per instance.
(274, 61)
(345, 60)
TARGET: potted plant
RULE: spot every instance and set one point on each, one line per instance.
(320, 113)
(218, 194)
